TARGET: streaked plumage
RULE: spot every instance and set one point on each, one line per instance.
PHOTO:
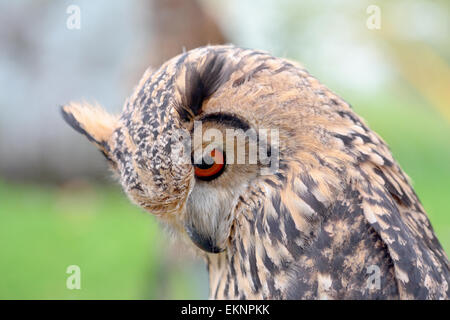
(338, 204)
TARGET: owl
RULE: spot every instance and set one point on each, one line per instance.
(272, 178)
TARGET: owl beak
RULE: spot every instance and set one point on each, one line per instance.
(204, 242)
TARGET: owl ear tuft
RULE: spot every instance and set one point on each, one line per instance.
(93, 122)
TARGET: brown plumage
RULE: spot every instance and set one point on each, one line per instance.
(332, 206)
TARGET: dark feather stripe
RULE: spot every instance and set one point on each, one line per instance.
(201, 82)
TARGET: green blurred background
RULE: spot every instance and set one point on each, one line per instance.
(58, 206)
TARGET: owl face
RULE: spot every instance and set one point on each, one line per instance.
(179, 150)
(196, 134)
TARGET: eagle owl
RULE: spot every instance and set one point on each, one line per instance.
(325, 212)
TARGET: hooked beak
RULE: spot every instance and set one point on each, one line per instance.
(204, 242)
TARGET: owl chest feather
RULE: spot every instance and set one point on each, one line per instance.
(365, 242)
(343, 258)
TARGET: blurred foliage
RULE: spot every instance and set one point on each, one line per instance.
(397, 79)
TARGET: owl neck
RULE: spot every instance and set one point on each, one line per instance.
(241, 272)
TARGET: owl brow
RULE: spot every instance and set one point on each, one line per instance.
(235, 122)
(226, 119)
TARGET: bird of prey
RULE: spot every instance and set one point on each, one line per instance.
(322, 212)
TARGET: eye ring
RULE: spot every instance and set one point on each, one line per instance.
(210, 170)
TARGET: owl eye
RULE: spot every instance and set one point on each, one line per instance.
(211, 167)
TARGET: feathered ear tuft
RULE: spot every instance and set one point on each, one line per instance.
(93, 122)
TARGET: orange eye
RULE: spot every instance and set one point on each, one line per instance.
(211, 167)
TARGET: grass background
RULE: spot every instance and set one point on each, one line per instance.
(121, 251)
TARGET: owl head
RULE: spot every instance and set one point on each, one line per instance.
(204, 129)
